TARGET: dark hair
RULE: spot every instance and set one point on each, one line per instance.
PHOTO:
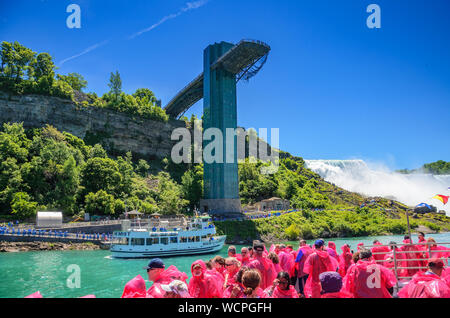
(208, 264)
(365, 253)
(251, 280)
(273, 257)
(219, 259)
(421, 233)
(285, 275)
(240, 273)
(376, 241)
(406, 237)
(355, 257)
(393, 244)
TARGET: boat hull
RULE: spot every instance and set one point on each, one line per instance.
(129, 253)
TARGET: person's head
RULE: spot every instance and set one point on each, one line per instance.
(218, 262)
(232, 264)
(258, 247)
(436, 265)
(302, 242)
(406, 237)
(319, 244)
(277, 248)
(251, 280)
(355, 257)
(393, 245)
(283, 280)
(365, 254)
(421, 236)
(176, 289)
(244, 252)
(240, 273)
(289, 247)
(198, 268)
(376, 242)
(209, 264)
(273, 257)
(431, 240)
(154, 268)
(331, 282)
(282, 246)
(250, 251)
(232, 251)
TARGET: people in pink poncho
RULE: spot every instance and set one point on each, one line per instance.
(331, 286)
(287, 261)
(367, 279)
(263, 265)
(158, 275)
(303, 253)
(245, 256)
(281, 287)
(411, 256)
(135, 288)
(429, 284)
(232, 265)
(251, 280)
(276, 261)
(345, 260)
(332, 250)
(399, 259)
(379, 252)
(437, 251)
(318, 262)
(203, 285)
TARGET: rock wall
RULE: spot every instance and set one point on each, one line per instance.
(117, 132)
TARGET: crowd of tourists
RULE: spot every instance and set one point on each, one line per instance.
(319, 271)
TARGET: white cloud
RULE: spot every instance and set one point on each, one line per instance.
(89, 49)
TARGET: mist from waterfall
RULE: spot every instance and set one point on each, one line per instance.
(377, 180)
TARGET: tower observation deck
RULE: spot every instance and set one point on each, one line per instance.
(244, 60)
(224, 64)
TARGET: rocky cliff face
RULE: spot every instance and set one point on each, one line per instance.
(117, 132)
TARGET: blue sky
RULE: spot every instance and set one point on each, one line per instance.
(334, 87)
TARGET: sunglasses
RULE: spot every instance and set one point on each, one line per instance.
(229, 264)
(283, 282)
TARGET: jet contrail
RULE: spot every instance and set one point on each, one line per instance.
(189, 6)
(93, 47)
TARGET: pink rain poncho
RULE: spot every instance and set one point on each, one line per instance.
(410, 257)
(280, 293)
(306, 251)
(88, 296)
(439, 252)
(425, 285)
(345, 260)
(380, 249)
(332, 250)
(205, 285)
(35, 295)
(367, 279)
(400, 259)
(167, 276)
(359, 246)
(317, 263)
(265, 268)
(135, 288)
(287, 262)
(228, 291)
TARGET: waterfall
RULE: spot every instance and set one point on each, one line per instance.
(358, 176)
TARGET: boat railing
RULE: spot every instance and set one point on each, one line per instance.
(405, 261)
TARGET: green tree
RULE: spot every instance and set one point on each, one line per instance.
(115, 84)
(100, 203)
(44, 66)
(101, 174)
(22, 206)
(75, 80)
(142, 168)
(192, 185)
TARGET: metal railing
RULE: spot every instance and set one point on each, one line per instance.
(423, 253)
(36, 233)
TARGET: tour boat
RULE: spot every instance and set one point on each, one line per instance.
(160, 238)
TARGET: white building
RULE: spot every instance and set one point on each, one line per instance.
(49, 219)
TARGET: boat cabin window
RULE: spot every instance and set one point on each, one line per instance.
(191, 239)
(183, 240)
(121, 241)
(164, 240)
(137, 241)
(197, 238)
(173, 240)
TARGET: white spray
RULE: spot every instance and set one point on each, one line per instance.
(357, 176)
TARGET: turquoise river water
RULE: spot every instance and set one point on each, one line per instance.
(23, 273)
